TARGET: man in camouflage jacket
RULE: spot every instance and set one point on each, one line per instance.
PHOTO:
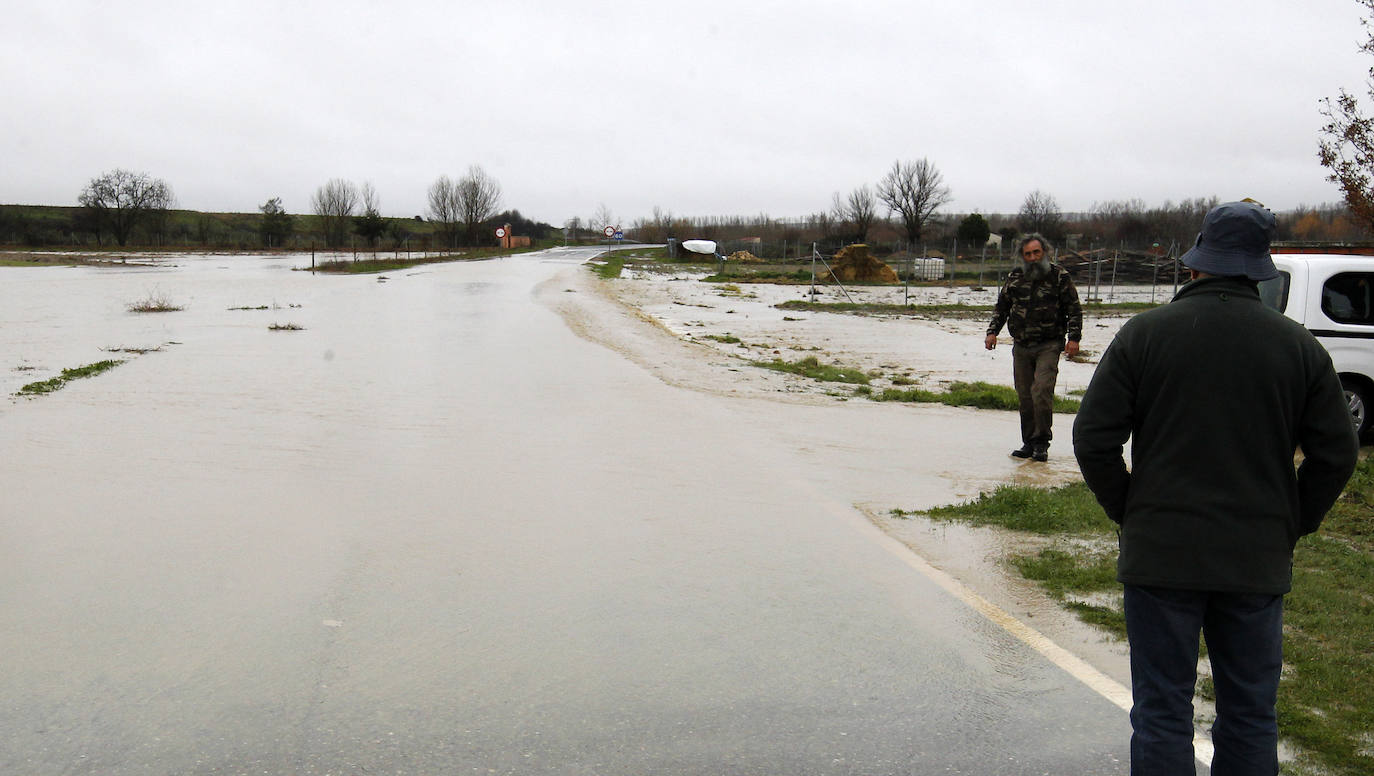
(1039, 305)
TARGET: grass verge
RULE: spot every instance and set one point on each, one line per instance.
(977, 394)
(610, 270)
(1326, 699)
(942, 310)
(75, 373)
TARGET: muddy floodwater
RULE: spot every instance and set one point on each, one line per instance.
(479, 518)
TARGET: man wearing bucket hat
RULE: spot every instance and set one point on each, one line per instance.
(1216, 392)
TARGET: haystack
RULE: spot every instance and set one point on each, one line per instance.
(744, 257)
(853, 265)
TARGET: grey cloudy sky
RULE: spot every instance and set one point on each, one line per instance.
(701, 108)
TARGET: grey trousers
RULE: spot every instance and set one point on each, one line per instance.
(1035, 368)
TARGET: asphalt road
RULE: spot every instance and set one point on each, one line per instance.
(435, 531)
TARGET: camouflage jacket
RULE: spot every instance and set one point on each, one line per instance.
(1043, 311)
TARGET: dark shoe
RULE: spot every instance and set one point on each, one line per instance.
(1025, 452)
(1040, 453)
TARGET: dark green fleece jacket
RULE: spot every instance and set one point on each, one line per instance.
(1215, 391)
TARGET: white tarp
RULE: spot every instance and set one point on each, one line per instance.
(700, 246)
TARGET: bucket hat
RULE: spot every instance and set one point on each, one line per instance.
(1234, 242)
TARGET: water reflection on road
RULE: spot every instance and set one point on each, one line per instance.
(434, 530)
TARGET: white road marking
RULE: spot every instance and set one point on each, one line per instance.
(1076, 667)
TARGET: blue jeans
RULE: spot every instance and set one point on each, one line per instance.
(1244, 633)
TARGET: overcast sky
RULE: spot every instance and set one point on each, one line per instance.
(700, 108)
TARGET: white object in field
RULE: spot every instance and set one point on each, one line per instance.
(928, 269)
(700, 246)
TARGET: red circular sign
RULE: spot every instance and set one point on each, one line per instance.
(609, 231)
(500, 231)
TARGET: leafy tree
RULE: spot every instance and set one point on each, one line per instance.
(1347, 146)
(398, 233)
(973, 228)
(276, 225)
(119, 200)
(334, 203)
(535, 230)
(914, 191)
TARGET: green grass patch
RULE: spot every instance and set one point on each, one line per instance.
(727, 338)
(1326, 701)
(1068, 509)
(610, 270)
(75, 373)
(979, 394)
(641, 254)
(812, 367)
(42, 386)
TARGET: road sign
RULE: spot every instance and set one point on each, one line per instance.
(500, 231)
(609, 231)
(619, 235)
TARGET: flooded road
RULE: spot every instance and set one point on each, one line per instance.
(437, 531)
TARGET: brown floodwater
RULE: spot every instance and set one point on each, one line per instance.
(465, 520)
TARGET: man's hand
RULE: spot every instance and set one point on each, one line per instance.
(1070, 348)
(990, 342)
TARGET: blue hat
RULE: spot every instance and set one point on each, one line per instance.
(1234, 242)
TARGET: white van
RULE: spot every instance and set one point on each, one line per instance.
(1333, 296)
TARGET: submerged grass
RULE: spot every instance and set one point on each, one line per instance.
(75, 373)
(976, 394)
(154, 302)
(812, 367)
(1326, 699)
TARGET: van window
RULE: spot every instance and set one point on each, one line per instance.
(1274, 292)
(1349, 298)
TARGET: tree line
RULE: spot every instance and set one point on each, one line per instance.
(119, 208)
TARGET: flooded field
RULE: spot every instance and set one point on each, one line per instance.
(477, 518)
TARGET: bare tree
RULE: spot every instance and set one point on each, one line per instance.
(823, 223)
(603, 217)
(120, 199)
(572, 228)
(370, 225)
(1347, 148)
(334, 203)
(443, 209)
(913, 191)
(1040, 213)
(479, 195)
(858, 210)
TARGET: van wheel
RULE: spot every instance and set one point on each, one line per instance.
(1361, 401)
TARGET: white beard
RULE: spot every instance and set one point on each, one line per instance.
(1035, 270)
